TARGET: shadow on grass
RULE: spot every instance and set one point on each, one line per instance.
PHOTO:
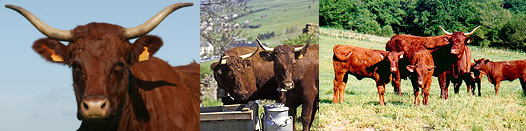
(395, 103)
(326, 101)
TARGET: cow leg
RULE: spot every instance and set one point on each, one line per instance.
(523, 84)
(315, 108)
(470, 84)
(497, 85)
(425, 92)
(342, 88)
(444, 84)
(339, 82)
(456, 85)
(478, 86)
(415, 90)
(306, 113)
(396, 83)
(381, 91)
(293, 112)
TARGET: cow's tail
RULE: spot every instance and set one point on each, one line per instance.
(339, 55)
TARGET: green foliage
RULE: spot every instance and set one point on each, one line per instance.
(204, 68)
(301, 39)
(501, 20)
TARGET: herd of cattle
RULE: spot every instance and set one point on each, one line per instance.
(119, 85)
(285, 73)
(419, 58)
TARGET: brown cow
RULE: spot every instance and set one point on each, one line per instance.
(235, 73)
(360, 62)
(422, 66)
(461, 71)
(118, 85)
(192, 72)
(296, 70)
(446, 50)
(502, 70)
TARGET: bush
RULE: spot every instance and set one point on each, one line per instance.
(301, 39)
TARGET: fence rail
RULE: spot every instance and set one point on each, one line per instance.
(355, 36)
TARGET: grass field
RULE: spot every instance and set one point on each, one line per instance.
(461, 112)
(279, 15)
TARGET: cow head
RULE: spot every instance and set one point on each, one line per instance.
(459, 40)
(393, 58)
(284, 58)
(422, 71)
(100, 56)
(480, 63)
(235, 74)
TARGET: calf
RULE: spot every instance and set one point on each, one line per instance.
(502, 70)
(361, 62)
(422, 67)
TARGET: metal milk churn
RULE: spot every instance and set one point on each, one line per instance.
(276, 118)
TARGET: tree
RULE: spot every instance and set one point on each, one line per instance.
(218, 25)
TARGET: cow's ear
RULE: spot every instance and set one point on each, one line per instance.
(401, 55)
(52, 50)
(410, 68)
(247, 63)
(266, 55)
(468, 40)
(144, 48)
(300, 54)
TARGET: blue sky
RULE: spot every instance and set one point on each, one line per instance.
(38, 95)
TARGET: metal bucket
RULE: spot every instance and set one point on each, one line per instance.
(276, 118)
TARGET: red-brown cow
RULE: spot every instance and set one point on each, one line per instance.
(360, 62)
(502, 70)
(235, 72)
(462, 71)
(296, 70)
(422, 67)
(446, 50)
(118, 85)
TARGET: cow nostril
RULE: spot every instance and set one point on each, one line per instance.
(85, 105)
(103, 105)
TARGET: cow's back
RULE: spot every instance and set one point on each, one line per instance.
(189, 76)
(159, 99)
(357, 60)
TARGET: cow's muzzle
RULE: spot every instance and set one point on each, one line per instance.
(288, 85)
(455, 51)
(393, 69)
(95, 107)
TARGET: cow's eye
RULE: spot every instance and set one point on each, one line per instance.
(119, 67)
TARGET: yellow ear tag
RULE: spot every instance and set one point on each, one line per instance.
(301, 56)
(145, 55)
(55, 57)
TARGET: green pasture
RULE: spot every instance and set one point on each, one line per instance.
(278, 16)
(461, 112)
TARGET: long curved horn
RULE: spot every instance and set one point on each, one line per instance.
(470, 33)
(64, 35)
(303, 48)
(249, 55)
(149, 25)
(445, 32)
(263, 47)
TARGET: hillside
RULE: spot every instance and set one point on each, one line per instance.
(285, 18)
